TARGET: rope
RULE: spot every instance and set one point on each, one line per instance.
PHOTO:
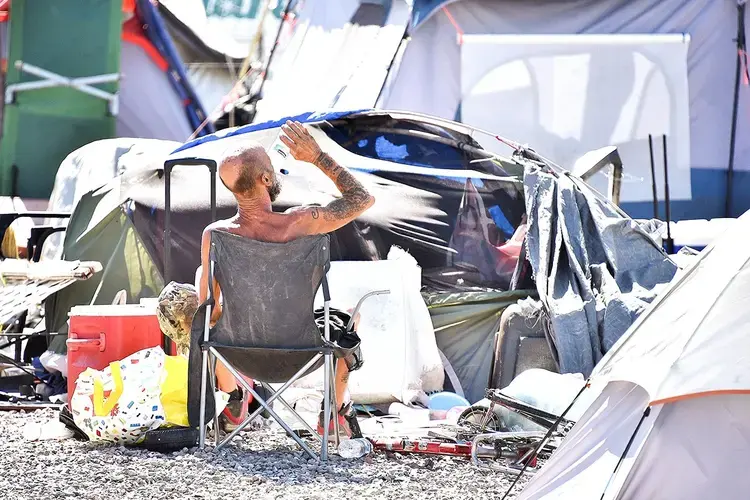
(456, 26)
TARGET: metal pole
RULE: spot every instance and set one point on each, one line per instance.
(733, 134)
(653, 176)
(670, 243)
(167, 222)
(264, 75)
(326, 385)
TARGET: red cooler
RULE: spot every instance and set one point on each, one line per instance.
(99, 335)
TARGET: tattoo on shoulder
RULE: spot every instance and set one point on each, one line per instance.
(315, 214)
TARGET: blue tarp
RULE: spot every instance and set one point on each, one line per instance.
(595, 270)
(423, 8)
(157, 34)
(307, 117)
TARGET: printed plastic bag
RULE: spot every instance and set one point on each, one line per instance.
(123, 401)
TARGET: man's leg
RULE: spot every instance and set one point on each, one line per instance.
(225, 379)
(341, 384)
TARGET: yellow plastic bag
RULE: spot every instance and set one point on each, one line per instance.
(174, 390)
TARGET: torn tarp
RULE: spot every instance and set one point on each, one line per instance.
(595, 269)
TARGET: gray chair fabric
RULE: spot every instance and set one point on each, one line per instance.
(267, 329)
(521, 343)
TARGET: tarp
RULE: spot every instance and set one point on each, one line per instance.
(571, 94)
(595, 270)
(427, 79)
(465, 325)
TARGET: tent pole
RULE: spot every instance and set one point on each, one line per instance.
(733, 134)
(545, 438)
(264, 75)
(653, 176)
(646, 413)
(401, 46)
(670, 241)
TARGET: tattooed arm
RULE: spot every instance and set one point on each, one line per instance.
(354, 197)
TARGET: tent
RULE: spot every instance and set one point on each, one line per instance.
(423, 172)
(671, 420)
(158, 99)
(152, 97)
(428, 77)
(342, 51)
(212, 62)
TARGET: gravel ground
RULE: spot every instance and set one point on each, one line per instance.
(263, 464)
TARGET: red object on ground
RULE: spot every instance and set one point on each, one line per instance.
(425, 446)
(99, 335)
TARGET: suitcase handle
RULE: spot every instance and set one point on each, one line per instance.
(75, 344)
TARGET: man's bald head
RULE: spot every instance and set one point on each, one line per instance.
(246, 168)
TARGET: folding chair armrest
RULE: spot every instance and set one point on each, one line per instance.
(361, 301)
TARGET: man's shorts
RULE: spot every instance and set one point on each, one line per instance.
(346, 343)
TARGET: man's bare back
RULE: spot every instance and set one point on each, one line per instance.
(247, 172)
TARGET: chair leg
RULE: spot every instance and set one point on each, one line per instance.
(332, 369)
(204, 377)
(212, 380)
(326, 408)
(264, 404)
(326, 382)
(276, 395)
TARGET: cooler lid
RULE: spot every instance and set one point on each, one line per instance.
(114, 310)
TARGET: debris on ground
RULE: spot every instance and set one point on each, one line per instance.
(258, 465)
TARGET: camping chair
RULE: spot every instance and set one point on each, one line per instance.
(267, 331)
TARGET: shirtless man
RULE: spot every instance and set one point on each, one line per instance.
(247, 172)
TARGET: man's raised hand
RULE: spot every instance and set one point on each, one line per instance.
(301, 144)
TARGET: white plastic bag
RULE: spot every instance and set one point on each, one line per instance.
(120, 403)
(401, 358)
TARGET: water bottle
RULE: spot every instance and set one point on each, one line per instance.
(278, 152)
(355, 448)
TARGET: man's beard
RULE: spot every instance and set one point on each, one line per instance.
(274, 190)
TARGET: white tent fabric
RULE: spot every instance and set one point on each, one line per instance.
(149, 106)
(705, 312)
(677, 388)
(569, 94)
(329, 62)
(92, 166)
(427, 78)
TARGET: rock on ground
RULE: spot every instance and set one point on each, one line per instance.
(259, 465)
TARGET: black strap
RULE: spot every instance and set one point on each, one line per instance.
(326, 291)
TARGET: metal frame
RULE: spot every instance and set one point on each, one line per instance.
(50, 80)
(330, 406)
(606, 157)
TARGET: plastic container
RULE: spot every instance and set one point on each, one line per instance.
(355, 448)
(446, 400)
(99, 335)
